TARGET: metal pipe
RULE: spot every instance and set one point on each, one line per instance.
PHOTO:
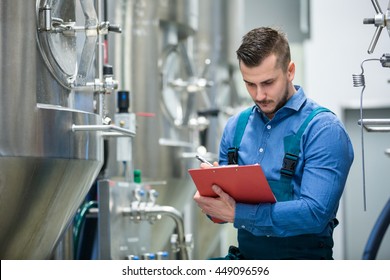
(376, 125)
(375, 121)
(178, 219)
(172, 213)
(100, 61)
(123, 131)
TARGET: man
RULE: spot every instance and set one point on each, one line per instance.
(305, 153)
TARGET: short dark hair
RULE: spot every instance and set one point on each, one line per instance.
(261, 42)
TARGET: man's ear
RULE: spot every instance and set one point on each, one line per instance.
(291, 71)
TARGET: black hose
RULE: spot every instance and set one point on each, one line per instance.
(377, 233)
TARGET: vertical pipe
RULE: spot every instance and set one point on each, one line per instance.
(99, 59)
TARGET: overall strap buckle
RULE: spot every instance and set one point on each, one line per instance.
(233, 155)
(289, 164)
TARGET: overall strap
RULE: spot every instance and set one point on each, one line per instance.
(292, 145)
(309, 118)
(283, 189)
(239, 132)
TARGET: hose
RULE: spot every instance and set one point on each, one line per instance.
(377, 233)
(79, 222)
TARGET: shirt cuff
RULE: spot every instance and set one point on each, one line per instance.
(244, 217)
(255, 218)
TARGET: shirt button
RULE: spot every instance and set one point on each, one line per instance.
(243, 226)
(268, 126)
(261, 150)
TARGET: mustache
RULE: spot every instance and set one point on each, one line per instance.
(264, 102)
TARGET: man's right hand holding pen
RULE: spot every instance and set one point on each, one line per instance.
(205, 163)
(222, 207)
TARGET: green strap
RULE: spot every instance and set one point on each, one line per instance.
(240, 127)
(309, 118)
(244, 117)
(292, 145)
(282, 188)
(291, 142)
(238, 133)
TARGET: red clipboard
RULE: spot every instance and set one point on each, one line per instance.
(245, 183)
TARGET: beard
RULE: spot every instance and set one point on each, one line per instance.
(270, 107)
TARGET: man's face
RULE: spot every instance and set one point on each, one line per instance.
(269, 85)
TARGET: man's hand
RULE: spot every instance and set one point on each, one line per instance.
(205, 165)
(223, 207)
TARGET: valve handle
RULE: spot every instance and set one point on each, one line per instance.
(375, 39)
(379, 21)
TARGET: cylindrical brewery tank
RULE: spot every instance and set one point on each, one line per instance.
(46, 169)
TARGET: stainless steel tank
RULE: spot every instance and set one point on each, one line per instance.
(46, 168)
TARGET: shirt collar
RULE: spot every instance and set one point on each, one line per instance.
(297, 100)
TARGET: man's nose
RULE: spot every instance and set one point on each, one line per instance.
(260, 93)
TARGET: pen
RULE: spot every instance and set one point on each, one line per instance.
(202, 159)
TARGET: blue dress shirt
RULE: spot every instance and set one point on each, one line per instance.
(324, 162)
